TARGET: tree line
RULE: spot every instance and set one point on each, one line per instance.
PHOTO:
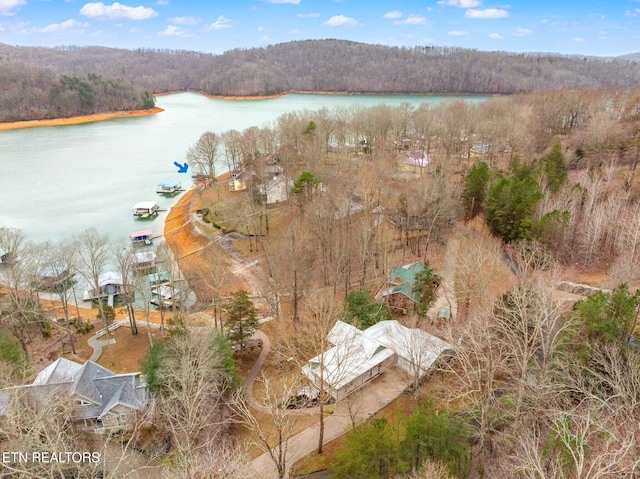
(311, 65)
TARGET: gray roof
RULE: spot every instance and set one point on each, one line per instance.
(60, 371)
(101, 388)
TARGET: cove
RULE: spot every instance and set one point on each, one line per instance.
(59, 180)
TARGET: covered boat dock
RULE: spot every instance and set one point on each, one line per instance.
(141, 237)
(145, 209)
(168, 187)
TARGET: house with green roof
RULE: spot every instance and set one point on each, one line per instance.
(398, 290)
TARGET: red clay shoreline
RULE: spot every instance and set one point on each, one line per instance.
(75, 120)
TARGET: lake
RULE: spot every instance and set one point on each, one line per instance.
(60, 180)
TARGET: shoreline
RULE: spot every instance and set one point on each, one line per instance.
(75, 120)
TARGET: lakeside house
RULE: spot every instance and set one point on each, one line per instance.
(8, 257)
(239, 179)
(413, 161)
(102, 400)
(398, 290)
(51, 277)
(357, 357)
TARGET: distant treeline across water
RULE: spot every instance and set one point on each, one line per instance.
(65, 81)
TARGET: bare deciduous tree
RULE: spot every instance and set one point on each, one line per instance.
(204, 155)
(271, 437)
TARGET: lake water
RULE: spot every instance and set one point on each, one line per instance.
(60, 180)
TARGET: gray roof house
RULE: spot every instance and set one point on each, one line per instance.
(103, 400)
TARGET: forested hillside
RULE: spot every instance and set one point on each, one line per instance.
(30, 77)
(29, 92)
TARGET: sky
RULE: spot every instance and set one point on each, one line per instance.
(582, 27)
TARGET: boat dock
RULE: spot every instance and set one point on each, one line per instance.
(146, 209)
(169, 187)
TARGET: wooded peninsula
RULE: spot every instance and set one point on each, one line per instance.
(41, 83)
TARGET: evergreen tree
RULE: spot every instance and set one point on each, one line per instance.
(511, 204)
(437, 435)
(241, 318)
(424, 288)
(303, 186)
(553, 168)
(370, 452)
(475, 189)
(609, 317)
(361, 310)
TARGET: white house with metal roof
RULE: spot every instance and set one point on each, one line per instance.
(356, 357)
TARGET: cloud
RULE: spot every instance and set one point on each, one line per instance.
(292, 2)
(578, 39)
(295, 31)
(341, 20)
(307, 15)
(393, 14)
(116, 11)
(458, 33)
(461, 3)
(522, 32)
(175, 31)
(632, 13)
(185, 20)
(162, 2)
(221, 22)
(413, 19)
(9, 7)
(260, 29)
(487, 13)
(56, 27)
(496, 36)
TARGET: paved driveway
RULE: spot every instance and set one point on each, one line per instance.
(359, 407)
